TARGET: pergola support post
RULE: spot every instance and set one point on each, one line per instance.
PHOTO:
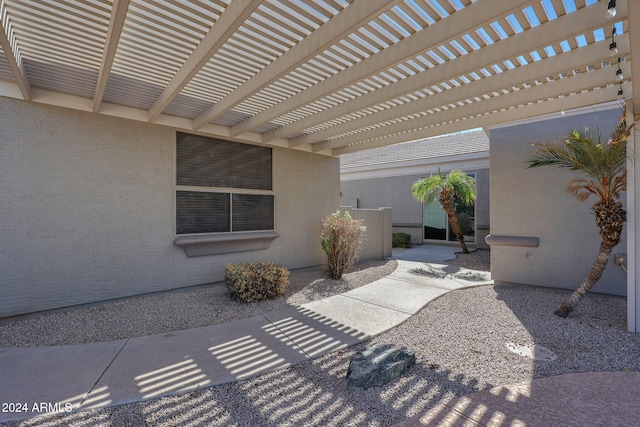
(633, 227)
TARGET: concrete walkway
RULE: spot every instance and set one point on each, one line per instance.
(71, 378)
(96, 375)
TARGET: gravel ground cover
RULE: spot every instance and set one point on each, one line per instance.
(460, 340)
(479, 260)
(164, 312)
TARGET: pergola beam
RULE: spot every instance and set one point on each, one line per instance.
(65, 46)
(523, 112)
(231, 19)
(554, 89)
(634, 36)
(553, 66)
(116, 23)
(570, 25)
(633, 177)
(13, 56)
(353, 16)
(459, 23)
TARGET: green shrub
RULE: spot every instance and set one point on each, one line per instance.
(251, 282)
(341, 238)
(401, 240)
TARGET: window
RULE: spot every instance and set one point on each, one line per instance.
(222, 186)
(436, 223)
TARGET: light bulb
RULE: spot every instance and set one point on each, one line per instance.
(619, 75)
(613, 49)
(611, 9)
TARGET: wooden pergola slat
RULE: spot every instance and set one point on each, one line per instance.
(232, 18)
(358, 13)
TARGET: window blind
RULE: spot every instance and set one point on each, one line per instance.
(210, 162)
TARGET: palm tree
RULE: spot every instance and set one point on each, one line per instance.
(601, 169)
(457, 186)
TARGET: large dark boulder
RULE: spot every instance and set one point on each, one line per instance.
(379, 364)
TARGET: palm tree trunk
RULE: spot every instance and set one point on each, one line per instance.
(449, 206)
(594, 275)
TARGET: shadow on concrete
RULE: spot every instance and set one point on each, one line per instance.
(436, 271)
(313, 396)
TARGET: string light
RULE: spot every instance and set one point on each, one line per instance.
(613, 47)
(619, 74)
(611, 9)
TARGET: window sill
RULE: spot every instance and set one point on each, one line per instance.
(213, 244)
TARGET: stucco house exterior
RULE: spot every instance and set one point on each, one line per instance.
(528, 205)
(533, 204)
(89, 209)
(383, 177)
(114, 116)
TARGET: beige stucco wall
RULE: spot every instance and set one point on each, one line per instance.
(534, 202)
(87, 209)
(376, 241)
(395, 191)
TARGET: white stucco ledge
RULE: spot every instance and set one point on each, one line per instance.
(213, 244)
(526, 241)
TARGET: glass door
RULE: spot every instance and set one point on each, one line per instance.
(435, 222)
(467, 223)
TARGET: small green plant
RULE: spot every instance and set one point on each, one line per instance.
(341, 238)
(401, 240)
(251, 282)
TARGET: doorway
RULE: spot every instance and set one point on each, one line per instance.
(436, 224)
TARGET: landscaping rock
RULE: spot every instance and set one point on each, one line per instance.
(379, 364)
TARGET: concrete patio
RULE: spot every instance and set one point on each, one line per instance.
(97, 375)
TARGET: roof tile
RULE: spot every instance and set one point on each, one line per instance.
(448, 145)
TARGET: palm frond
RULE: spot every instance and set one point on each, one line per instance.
(584, 188)
(551, 154)
(621, 132)
(463, 185)
(601, 168)
(619, 185)
(427, 190)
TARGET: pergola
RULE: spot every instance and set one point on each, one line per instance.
(326, 76)
(329, 76)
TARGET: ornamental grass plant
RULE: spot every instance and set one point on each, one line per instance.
(251, 282)
(341, 238)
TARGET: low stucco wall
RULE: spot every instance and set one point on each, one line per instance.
(377, 242)
(535, 203)
(88, 210)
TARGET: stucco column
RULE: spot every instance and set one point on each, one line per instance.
(633, 227)
(633, 176)
(387, 229)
